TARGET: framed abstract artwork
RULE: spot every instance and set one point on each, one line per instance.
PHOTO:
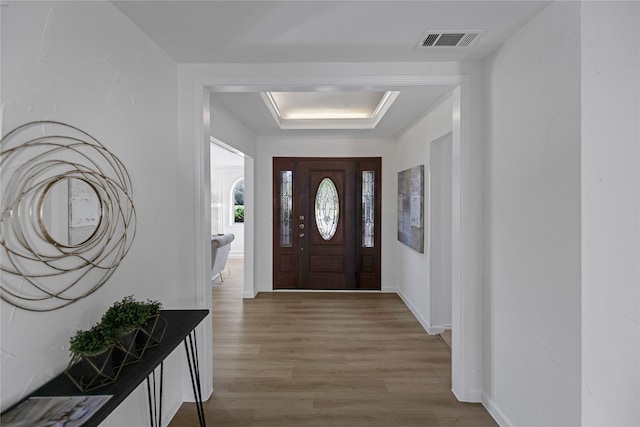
(411, 207)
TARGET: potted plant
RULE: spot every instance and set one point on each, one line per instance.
(154, 327)
(91, 363)
(129, 318)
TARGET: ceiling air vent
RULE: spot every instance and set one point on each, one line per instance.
(449, 38)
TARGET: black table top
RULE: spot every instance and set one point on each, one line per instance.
(179, 324)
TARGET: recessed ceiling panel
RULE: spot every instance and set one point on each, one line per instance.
(410, 105)
(328, 110)
(327, 105)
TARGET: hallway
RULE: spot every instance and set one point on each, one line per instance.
(325, 359)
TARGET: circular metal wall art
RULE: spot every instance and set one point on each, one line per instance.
(67, 217)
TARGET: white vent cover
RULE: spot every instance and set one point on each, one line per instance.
(450, 38)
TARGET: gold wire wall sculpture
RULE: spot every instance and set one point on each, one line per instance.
(67, 217)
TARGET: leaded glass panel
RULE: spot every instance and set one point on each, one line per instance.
(286, 208)
(368, 209)
(327, 209)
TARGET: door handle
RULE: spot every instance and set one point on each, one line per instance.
(301, 235)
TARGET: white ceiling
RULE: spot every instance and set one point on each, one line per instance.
(322, 31)
(325, 31)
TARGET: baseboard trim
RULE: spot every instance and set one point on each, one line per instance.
(495, 412)
(431, 330)
(249, 295)
(468, 397)
(171, 412)
(332, 291)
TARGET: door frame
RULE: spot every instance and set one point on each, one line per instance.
(366, 262)
(195, 86)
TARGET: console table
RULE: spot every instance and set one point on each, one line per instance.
(180, 328)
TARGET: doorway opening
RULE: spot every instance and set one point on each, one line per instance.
(227, 177)
(466, 305)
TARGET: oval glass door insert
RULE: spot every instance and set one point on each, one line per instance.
(327, 209)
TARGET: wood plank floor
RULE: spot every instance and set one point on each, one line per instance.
(325, 359)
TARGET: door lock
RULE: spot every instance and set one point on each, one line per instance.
(301, 217)
(301, 226)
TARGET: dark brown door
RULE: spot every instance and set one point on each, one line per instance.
(326, 223)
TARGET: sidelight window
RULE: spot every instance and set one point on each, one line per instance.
(286, 208)
(368, 208)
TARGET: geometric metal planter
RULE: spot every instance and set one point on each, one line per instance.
(91, 372)
(151, 333)
(128, 351)
(133, 344)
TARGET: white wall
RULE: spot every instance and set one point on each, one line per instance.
(440, 230)
(86, 64)
(229, 129)
(610, 213)
(413, 149)
(532, 228)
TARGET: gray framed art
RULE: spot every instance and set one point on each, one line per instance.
(411, 207)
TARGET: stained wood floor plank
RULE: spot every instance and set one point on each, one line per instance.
(326, 360)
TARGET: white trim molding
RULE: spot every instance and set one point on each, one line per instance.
(496, 413)
(431, 330)
(195, 79)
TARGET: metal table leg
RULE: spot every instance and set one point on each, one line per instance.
(191, 346)
(155, 398)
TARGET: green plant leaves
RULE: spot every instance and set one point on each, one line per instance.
(123, 316)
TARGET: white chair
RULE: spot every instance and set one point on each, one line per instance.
(220, 247)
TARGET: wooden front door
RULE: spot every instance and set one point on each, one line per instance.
(326, 223)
